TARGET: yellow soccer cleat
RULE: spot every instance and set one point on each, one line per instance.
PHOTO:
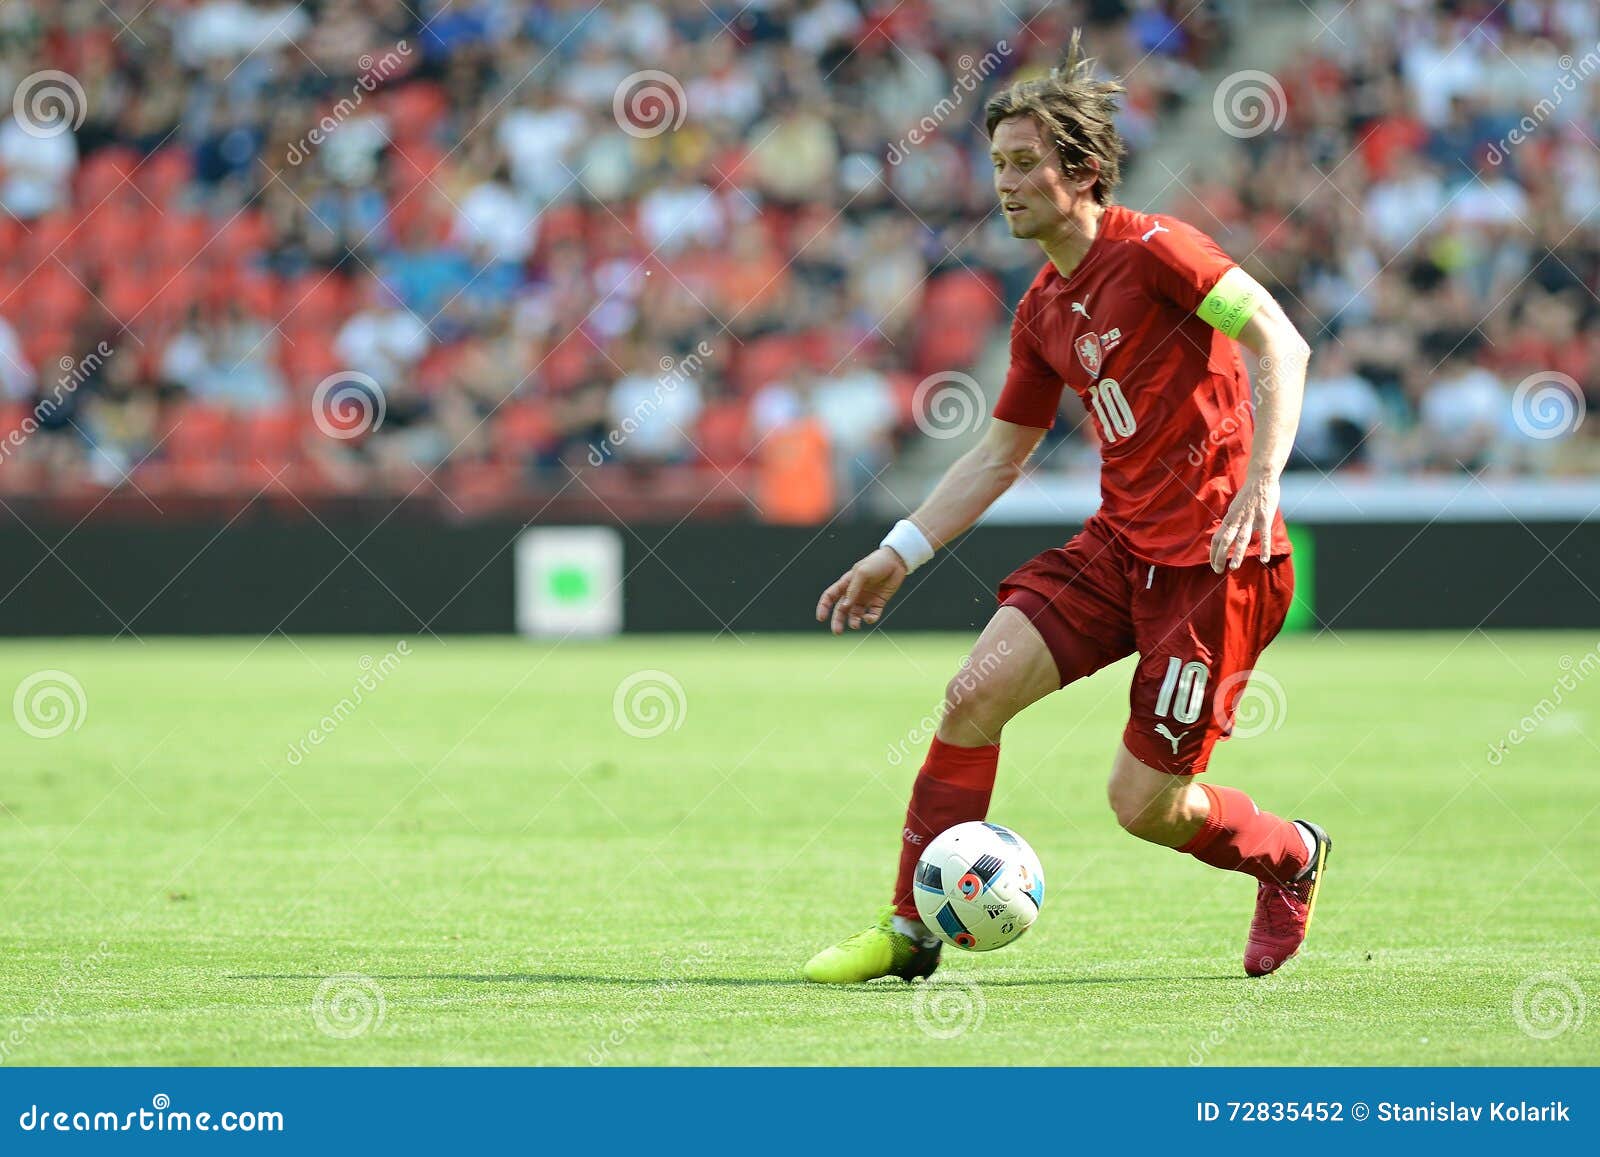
(871, 953)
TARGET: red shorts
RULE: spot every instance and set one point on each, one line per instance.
(1197, 634)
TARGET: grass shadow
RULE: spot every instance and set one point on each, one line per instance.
(723, 981)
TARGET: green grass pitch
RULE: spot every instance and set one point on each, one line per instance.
(492, 870)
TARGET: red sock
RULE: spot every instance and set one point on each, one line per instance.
(953, 787)
(1239, 837)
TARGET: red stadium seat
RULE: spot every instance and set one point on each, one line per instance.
(415, 110)
(173, 292)
(957, 315)
(239, 240)
(52, 296)
(766, 360)
(566, 363)
(306, 360)
(905, 386)
(44, 347)
(267, 443)
(105, 175)
(47, 237)
(198, 448)
(183, 236)
(520, 430)
(126, 295)
(197, 430)
(11, 416)
(723, 434)
(313, 305)
(256, 293)
(163, 175)
(561, 223)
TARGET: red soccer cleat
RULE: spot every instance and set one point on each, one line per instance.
(1283, 912)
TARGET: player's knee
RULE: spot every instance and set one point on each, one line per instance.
(1127, 804)
(978, 705)
(1140, 811)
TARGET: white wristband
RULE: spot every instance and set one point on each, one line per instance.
(908, 541)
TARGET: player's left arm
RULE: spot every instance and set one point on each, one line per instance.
(1240, 307)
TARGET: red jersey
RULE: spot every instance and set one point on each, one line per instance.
(1167, 394)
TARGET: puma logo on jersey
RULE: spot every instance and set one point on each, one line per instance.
(1079, 307)
(1161, 730)
(1154, 230)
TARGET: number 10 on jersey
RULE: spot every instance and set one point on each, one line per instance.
(1111, 409)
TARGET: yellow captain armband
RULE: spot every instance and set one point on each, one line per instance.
(1232, 302)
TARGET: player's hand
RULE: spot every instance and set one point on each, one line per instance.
(1249, 515)
(861, 592)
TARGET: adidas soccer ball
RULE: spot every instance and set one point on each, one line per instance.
(979, 886)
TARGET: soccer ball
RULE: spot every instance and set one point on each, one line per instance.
(979, 886)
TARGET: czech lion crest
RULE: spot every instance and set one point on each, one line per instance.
(1088, 348)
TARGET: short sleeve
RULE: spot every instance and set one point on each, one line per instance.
(1185, 262)
(1032, 392)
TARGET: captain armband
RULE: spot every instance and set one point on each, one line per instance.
(1232, 302)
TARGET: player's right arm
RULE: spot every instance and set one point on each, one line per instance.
(968, 488)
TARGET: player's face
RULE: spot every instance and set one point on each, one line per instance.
(1035, 195)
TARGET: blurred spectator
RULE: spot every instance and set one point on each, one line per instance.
(857, 409)
(37, 160)
(1341, 413)
(495, 222)
(227, 360)
(119, 419)
(16, 373)
(1463, 414)
(384, 340)
(653, 410)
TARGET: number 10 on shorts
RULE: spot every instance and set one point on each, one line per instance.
(1183, 691)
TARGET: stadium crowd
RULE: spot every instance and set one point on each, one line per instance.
(493, 249)
(1426, 212)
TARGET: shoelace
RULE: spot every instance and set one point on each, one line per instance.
(1281, 911)
(856, 938)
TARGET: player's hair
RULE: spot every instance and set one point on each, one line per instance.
(1074, 110)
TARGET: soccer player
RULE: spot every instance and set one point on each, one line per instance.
(1186, 562)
